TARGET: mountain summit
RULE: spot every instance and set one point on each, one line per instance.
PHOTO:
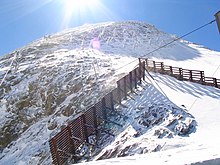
(47, 82)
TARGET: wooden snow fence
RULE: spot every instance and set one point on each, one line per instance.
(63, 146)
(196, 76)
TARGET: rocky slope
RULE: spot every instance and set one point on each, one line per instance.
(48, 81)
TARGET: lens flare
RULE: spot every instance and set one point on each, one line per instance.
(79, 12)
(95, 43)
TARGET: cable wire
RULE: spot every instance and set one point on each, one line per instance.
(197, 98)
(180, 37)
(165, 46)
(169, 43)
(154, 82)
(215, 71)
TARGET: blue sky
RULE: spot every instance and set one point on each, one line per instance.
(23, 21)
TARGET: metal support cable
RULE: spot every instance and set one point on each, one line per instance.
(169, 43)
(180, 37)
(215, 71)
(153, 81)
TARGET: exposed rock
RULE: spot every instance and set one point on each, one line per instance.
(52, 125)
(163, 132)
(185, 127)
(158, 148)
(69, 110)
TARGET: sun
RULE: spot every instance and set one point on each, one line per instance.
(76, 4)
(85, 2)
(79, 12)
(78, 8)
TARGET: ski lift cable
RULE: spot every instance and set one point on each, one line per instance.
(165, 45)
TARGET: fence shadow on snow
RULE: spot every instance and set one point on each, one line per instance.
(186, 87)
(65, 144)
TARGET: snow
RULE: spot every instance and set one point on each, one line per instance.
(204, 106)
(204, 60)
(201, 145)
(173, 157)
(3, 112)
(32, 142)
(48, 63)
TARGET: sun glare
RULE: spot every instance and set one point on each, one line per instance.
(77, 4)
(78, 12)
(78, 8)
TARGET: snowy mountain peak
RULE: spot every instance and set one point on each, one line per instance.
(50, 76)
(47, 82)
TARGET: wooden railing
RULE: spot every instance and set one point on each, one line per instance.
(64, 145)
(182, 74)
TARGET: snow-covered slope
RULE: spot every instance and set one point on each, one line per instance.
(59, 75)
(201, 146)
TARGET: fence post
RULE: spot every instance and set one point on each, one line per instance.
(154, 64)
(125, 87)
(54, 143)
(104, 108)
(215, 82)
(191, 76)
(71, 140)
(202, 77)
(162, 67)
(83, 119)
(135, 78)
(146, 60)
(130, 81)
(171, 70)
(139, 59)
(95, 120)
(139, 70)
(119, 91)
(112, 101)
(180, 74)
(144, 70)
